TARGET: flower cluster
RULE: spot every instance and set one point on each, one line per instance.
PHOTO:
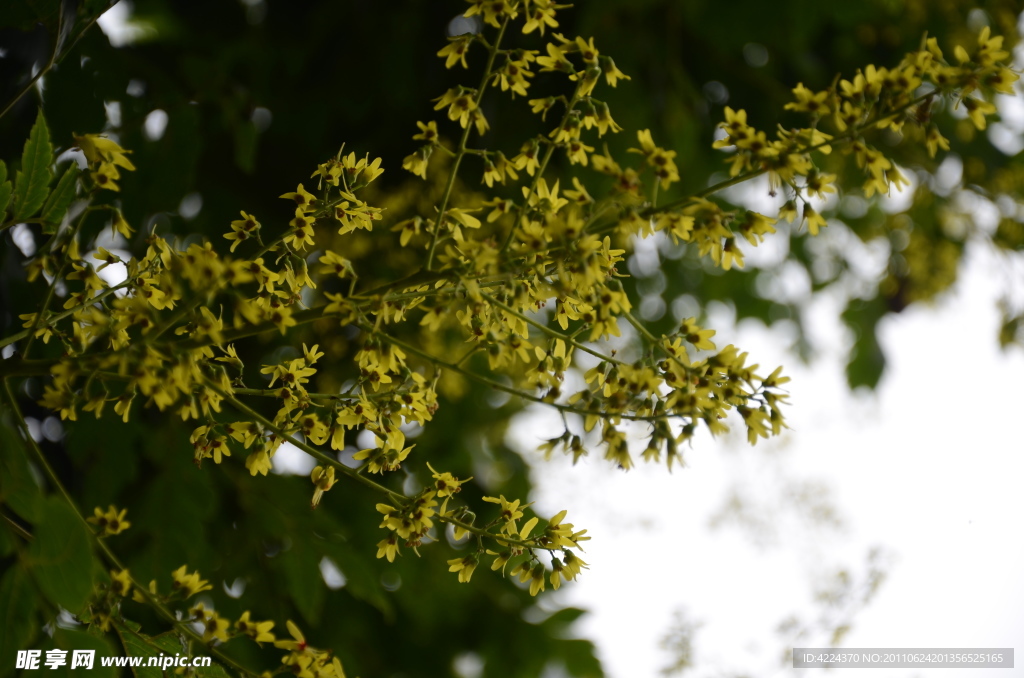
(899, 99)
(516, 289)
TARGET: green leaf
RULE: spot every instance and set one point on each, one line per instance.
(580, 659)
(137, 644)
(80, 639)
(562, 619)
(97, 6)
(23, 15)
(18, 489)
(305, 585)
(57, 204)
(867, 361)
(362, 578)
(17, 612)
(212, 671)
(5, 191)
(61, 557)
(33, 179)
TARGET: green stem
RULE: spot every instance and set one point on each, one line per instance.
(110, 555)
(302, 445)
(56, 279)
(461, 150)
(276, 393)
(550, 332)
(45, 69)
(497, 385)
(846, 137)
(540, 170)
(64, 314)
(174, 319)
(351, 473)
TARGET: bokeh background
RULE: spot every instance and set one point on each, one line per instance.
(889, 514)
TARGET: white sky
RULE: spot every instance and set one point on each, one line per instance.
(929, 468)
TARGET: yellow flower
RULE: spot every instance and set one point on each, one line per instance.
(510, 512)
(590, 78)
(242, 229)
(215, 627)
(493, 11)
(603, 120)
(417, 162)
(140, 597)
(544, 199)
(120, 225)
(501, 559)
(814, 220)
(731, 254)
(259, 461)
(111, 521)
(491, 174)
(302, 234)
(572, 565)
(446, 483)
(464, 566)
(977, 109)
(106, 176)
(258, 631)
(578, 194)
(329, 171)
(188, 584)
(528, 157)
(513, 76)
(334, 264)
(98, 149)
(120, 582)
(612, 74)
(556, 573)
(323, 480)
(658, 159)
(555, 60)
(298, 644)
(455, 51)
(456, 217)
(820, 184)
(587, 51)
(408, 228)
(460, 105)
(304, 200)
(577, 152)
(934, 141)
(808, 101)
(428, 131)
(536, 577)
(207, 446)
(700, 338)
(540, 14)
(388, 548)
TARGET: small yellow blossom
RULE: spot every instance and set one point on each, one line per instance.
(388, 548)
(258, 631)
(242, 229)
(111, 521)
(120, 582)
(323, 480)
(808, 101)
(303, 199)
(188, 584)
(455, 51)
(464, 566)
(814, 220)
